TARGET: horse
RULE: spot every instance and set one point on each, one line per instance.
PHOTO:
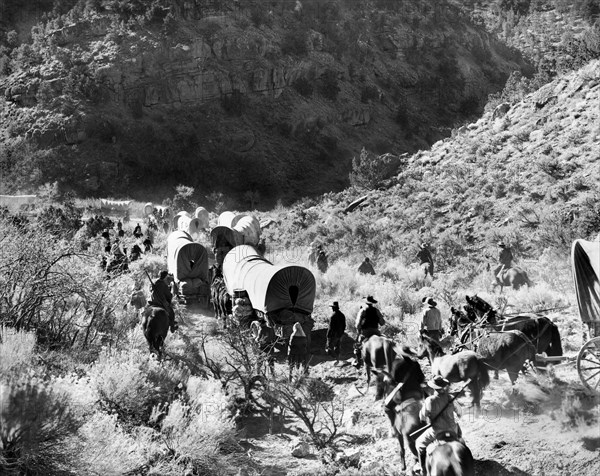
(377, 352)
(514, 277)
(220, 298)
(457, 367)
(155, 324)
(404, 399)
(450, 458)
(540, 330)
(500, 350)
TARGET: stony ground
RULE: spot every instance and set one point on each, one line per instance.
(548, 427)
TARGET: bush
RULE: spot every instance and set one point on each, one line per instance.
(295, 43)
(303, 86)
(330, 87)
(234, 103)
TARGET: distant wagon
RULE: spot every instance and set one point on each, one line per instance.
(18, 202)
(283, 295)
(234, 230)
(187, 261)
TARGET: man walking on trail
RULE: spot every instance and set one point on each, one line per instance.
(505, 258)
(161, 296)
(431, 322)
(425, 259)
(438, 410)
(335, 331)
(366, 267)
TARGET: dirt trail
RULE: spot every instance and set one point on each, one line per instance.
(549, 427)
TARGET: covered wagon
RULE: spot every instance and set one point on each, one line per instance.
(233, 230)
(282, 294)
(188, 263)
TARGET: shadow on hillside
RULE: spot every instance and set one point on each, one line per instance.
(494, 468)
(317, 347)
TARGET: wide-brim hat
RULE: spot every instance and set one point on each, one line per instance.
(431, 302)
(335, 305)
(438, 382)
(501, 244)
(370, 300)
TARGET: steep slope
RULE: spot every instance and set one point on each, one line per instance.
(115, 97)
(527, 173)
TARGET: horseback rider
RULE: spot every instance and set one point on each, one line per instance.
(369, 319)
(161, 296)
(425, 257)
(431, 322)
(438, 410)
(137, 231)
(505, 258)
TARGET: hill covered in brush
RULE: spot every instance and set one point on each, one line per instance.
(526, 172)
(134, 97)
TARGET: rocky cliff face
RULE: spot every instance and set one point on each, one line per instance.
(287, 93)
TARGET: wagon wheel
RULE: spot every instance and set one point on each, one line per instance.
(588, 364)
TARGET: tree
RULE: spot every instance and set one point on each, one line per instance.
(253, 196)
(183, 199)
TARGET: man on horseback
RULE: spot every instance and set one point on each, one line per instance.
(438, 410)
(431, 323)
(505, 258)
(367, 323)
(161, 296)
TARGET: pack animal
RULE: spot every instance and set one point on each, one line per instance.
(514, 277)
(377, 353)
(155, 325)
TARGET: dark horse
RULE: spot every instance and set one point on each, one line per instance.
(155, 325)
(514, 277)
(508, 350)
(404, 399)
(540, 330)
(221, 300)
(452, 458)
(462, 366)
(377, 353)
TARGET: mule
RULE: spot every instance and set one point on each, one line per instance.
(457, 367)
(155, 325)
(514, 277)
(450, 458)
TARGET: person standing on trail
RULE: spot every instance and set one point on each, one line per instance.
(161, 296)
(437, 410)
(322, 264)
(366, 267)
(505, 258)
(425, 259)
(298, 349)
(431, 321)
(335, 331)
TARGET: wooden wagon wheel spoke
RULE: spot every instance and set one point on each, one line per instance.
(589, 375)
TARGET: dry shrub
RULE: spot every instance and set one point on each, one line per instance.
(16, 350)
(35, 425)
(131, 383)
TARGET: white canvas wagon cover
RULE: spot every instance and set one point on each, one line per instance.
(585, 261)
(270, 288)
(186, 259)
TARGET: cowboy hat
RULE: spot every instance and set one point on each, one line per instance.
(163, 274)
(335, 305)
(438, 382)
(431, 302)
(501, 244)
(370, 300)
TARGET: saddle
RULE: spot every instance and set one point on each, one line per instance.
(443, 437)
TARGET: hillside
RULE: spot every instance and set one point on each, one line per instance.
(526, 173)
(131, 97)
